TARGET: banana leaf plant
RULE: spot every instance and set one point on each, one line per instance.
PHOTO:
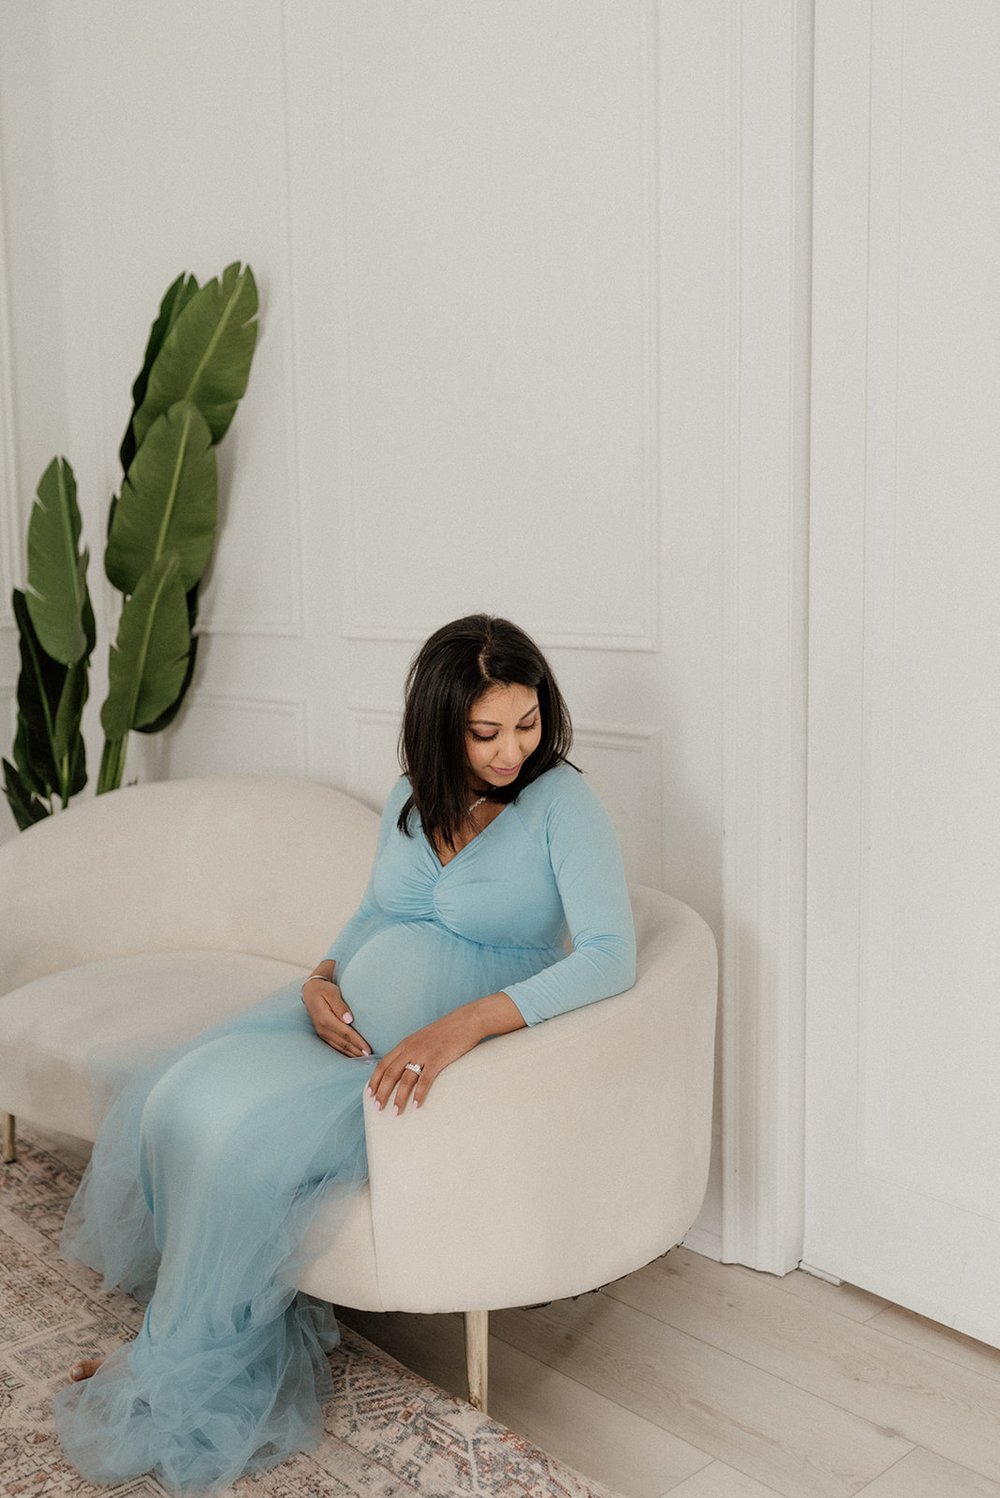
(161, 531)
(55, 623)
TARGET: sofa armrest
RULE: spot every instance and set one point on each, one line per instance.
(592, 1130)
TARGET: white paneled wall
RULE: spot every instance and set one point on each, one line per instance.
(525, 271)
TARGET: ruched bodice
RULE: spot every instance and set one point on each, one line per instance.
(545, 875)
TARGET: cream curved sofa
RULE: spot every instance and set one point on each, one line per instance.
(546, 1162)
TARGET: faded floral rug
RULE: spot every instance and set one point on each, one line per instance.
(388, 1433)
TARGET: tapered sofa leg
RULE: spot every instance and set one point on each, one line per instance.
(9, 1123)
(477, 1332)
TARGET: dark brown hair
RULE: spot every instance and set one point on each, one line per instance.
(460, 662)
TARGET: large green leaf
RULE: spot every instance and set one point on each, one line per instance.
(167, 717)
(26, 807)
(149, 657)
(168, 502)
(70, 750)
(175, 299)
(57, 571)
(48, 748)
(39, 689)
(206, 355)
(27, 769)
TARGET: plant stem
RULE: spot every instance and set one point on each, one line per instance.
(64, 780)
(112, 764)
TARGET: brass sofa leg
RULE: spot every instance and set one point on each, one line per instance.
(477, 1332)
(9, 1123)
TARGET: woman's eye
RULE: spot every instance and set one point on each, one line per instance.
(487, 738)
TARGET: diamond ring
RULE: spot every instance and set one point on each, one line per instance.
(414, 1066)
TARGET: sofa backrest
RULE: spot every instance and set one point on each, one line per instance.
(269, 866)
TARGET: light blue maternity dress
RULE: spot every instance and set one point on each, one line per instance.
(211, 1164)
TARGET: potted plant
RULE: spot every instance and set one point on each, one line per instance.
(161, 530)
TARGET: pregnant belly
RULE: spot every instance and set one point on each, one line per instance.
(413, 972)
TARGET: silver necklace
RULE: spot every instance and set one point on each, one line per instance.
(476, 803)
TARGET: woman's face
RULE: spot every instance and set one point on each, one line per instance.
(503, 728)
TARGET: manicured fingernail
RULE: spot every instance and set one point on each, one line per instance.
(368, 1092)
(395, 1107)
(366, 1053)
(377, 1103)
(348, 1017)
(416, 1102)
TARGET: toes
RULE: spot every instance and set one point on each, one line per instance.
(86, 1368)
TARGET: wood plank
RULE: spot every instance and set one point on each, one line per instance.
(846, 1300)
(924, 1474)
(942, 1341)
(718, 1480)
(930, 1402)
(765, 1427)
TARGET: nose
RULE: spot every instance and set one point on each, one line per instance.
(508, 751)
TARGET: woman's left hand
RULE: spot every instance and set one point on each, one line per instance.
(433, 1048)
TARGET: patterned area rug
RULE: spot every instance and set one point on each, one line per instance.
(388, 1434)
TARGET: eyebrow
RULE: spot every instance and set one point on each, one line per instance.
(488, 722)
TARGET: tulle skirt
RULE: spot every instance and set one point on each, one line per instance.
(208, 1170)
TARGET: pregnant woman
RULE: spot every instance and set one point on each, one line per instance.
(497, 900)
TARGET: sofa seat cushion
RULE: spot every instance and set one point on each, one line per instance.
(64, 1038)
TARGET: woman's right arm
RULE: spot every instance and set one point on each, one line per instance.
(321, 994)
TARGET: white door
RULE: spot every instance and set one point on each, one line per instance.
(903, 1018)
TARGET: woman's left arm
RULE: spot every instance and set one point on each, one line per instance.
(586, 862)
(436, 1046)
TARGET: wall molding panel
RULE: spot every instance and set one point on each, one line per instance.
(373, 732)
(291, 626)
(106, 332)
(765, 636)
(402, 616)
(625, 767)
(548, 637)
(223, 734)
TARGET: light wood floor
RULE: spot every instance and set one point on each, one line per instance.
(706, 1380)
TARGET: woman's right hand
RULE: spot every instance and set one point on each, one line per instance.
(331, 1018)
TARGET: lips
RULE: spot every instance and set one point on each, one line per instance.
(507, 774)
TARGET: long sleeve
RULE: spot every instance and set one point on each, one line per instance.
(368, 915)
(587, 864)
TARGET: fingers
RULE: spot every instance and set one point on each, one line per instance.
(393, 1083)
(342, 1038)
(433, 1048)
(331, 1018)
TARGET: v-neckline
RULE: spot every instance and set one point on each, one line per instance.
(442, 867)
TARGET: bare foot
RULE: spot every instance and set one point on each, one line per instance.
(86, 1368)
